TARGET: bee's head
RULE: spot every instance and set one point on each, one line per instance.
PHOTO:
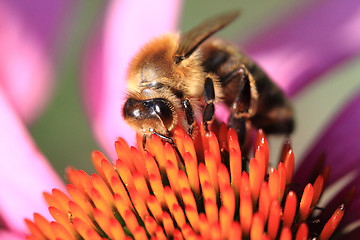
(147, 116)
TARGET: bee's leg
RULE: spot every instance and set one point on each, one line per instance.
(144, 141)
(209, 97)
(171, 141)
(263, 102)
(245, 102)
(190, 116)
(239, 125)
(166, 138)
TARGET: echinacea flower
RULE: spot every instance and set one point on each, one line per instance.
(200, 194)
(30, 39)
(29, 43)
(294, 52)
(25, 174)
(109, 93)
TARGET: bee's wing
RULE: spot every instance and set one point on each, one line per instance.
(190, 40)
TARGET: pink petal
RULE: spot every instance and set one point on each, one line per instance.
(351, 211)
(25, 173)
(29, 33)
(340, 143)
(308, 43)
(127, 26)
(11, 235)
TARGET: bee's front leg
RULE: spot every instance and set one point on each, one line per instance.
(173, 144)
(161, 136)
(144, 142)
(190, 116)
(209, 97)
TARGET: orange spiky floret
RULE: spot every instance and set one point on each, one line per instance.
(203, 193)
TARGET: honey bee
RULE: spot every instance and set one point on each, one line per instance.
(173, 78)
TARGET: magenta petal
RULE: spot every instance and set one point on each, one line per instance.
(25, 173)
(351, 211)
(340, 143)
(127, 26)
(29, 32)
(341, 146)
(11, 235)
(308, 43)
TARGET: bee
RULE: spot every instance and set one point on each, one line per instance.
(173, 78)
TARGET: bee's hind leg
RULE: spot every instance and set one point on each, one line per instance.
(209, 97)
(239, 125)
(245, 102)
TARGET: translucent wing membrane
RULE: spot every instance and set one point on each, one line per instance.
(190, 40)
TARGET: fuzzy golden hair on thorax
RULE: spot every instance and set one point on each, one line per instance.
(156, 62)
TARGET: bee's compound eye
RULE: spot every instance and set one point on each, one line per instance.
(131, 108)
(164, 109)
(129, 102)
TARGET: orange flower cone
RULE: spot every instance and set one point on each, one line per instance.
(203, 193)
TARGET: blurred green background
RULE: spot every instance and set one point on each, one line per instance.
(63, 133)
